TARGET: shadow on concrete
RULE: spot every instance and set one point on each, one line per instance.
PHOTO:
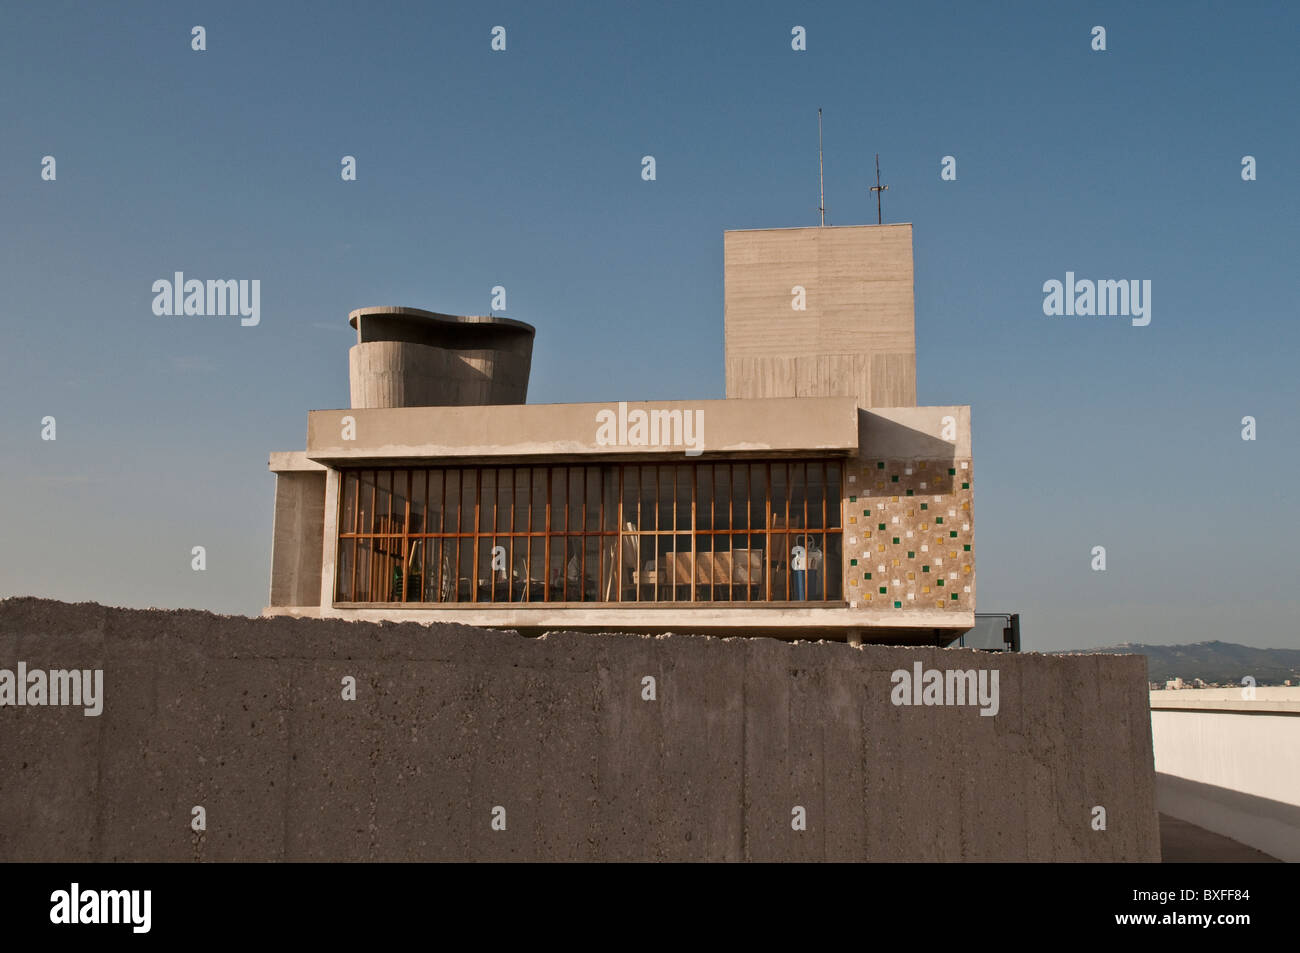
(1184, 843)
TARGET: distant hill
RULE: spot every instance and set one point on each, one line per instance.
(1223, 662)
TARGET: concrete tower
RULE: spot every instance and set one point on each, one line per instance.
(821, 312)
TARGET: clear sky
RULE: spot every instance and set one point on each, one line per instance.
(522, 168)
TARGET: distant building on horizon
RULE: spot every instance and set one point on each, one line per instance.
(815, 500)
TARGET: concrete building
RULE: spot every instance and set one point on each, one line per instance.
(816, 500)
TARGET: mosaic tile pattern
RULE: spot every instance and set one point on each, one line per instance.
(921, 555)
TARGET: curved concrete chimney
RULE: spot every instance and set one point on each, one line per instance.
(406, 357)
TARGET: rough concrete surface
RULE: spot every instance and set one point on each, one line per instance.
(245, 717)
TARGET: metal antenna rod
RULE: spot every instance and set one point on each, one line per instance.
(821, 182)
(878, 188)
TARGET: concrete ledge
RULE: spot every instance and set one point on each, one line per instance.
(292, 461)
(247, 718)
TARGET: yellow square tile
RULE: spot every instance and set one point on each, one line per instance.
(925, 589)
(853, 519)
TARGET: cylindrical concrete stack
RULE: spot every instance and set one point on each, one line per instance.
(406, 357)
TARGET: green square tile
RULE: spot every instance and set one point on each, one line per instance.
(853, 499)
(880, 465)
(866, 575)
(938, 582)
(925, 569)
(883, 590)
(954, 595)
(952, 534)
(965, 486)
(866, 512)
(966, 548)
(898, 605)
(894, 478)
(938, 520)
(911, 555)
(895, 540)
(880, 526)
(909, 492)
(952, 471)
(925, 506)
(853, 562)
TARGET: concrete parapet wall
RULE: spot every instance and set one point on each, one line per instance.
(1228, 760)
(245, 717)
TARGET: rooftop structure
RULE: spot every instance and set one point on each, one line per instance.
(816, 500)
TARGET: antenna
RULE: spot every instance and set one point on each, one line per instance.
(821, 182)
(878, 188)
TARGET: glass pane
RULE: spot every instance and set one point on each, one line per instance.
(401, 496)
(537, 476)
(435, 501)
(343, 578)
(466, 584)
(383, 501)
(348, 521)
(419, 482)
(683, 493)
(437, 576)
(704, 495)
(493, 583)
(469, 500)
(722, 498)
(664, 494)
(834, 498)
(631, 497)
(740, 497)
(366, 502)
(780, 496)
(416, 563)
(522, 490)
(575, 497)
(451, 514)
(487, 500)
(591, 568)
(816, 496)
(592, 499)
(647, 498)
(364, 557)
(798, 496)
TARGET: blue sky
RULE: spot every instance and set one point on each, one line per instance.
(522, 168)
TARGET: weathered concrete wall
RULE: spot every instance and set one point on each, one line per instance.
(1231, 764)
(245, 717)
(855, 333)
(297, 538)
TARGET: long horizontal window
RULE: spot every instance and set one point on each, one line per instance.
(695, 532)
